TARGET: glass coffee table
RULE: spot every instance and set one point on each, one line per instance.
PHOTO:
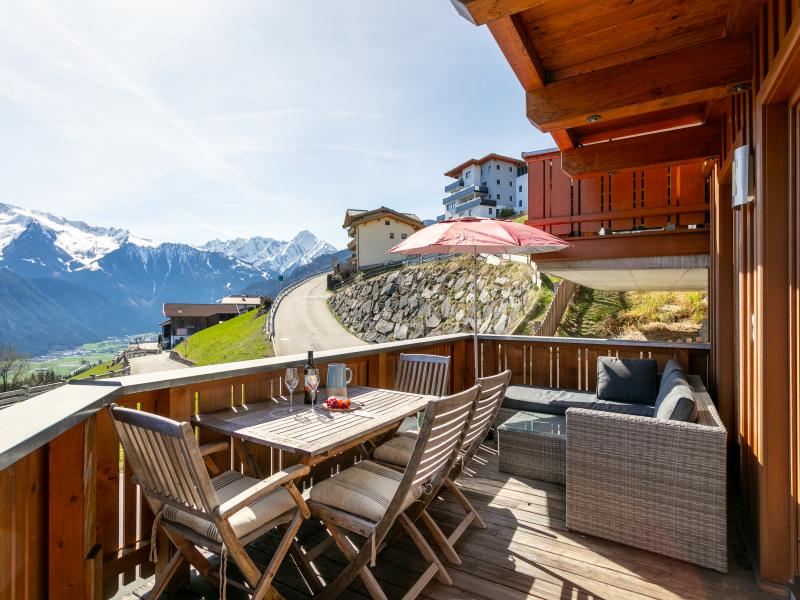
(533, 445)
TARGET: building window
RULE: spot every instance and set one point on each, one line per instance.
(498, 182)
(391, 235)
(520, 203)
(386, 222)
(511, 199)
(470, 213)
(468, 175)
(510, 169)
(498, 167)
(520, 188)
(490, 210)
(498, 196)
(510, 184)
(403, 236)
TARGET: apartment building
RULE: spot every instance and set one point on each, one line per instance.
(484, 187)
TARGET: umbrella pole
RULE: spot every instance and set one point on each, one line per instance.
(475, 309)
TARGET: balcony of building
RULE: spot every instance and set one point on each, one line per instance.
(467, 193)
(76, 525)
(454, 186)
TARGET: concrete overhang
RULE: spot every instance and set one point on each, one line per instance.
(646, 274)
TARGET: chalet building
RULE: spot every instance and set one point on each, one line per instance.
(373, 232)
(243, 301)
(484, 187)
(677, 130)
(183, 320)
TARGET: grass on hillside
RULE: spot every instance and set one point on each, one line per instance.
(99, 369)
(658, 316)
(240, 338)
(544, 296)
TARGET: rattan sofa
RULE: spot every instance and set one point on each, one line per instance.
(653, 484)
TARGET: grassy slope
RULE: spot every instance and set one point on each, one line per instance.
(101, 369)
(240, 338)
(634, 315)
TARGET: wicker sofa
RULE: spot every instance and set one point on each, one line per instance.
(652, 483)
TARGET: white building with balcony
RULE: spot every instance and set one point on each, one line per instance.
(484, 187)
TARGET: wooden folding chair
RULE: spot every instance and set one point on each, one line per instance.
(222, 514)
(421, 374)
(370, 499)
(397, 452)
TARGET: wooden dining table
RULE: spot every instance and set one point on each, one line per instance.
(314, 436)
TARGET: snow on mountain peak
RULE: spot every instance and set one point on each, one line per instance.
(84, 243)
(273, 255)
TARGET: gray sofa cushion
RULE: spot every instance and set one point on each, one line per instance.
(556, 402)
(678, 403)
(627, 380)
(546, 400)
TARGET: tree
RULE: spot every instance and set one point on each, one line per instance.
(13, 367)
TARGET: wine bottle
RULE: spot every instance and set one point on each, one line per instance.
(308, 395)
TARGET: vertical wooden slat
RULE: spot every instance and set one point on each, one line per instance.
(655, 194)
(72, 469)
(108, 496)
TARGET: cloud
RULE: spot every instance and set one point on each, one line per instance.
(250, 117)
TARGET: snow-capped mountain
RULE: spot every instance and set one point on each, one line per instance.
(78, 245)
(273, 256)
(65, 282)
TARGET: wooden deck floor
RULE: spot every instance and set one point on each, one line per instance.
(525, 552)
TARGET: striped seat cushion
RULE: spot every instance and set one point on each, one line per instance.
(250, 518)
(365, 489)
(397, 451)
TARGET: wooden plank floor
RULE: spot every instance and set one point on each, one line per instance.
(525, 552)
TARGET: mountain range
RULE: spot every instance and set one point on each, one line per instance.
(64, 282)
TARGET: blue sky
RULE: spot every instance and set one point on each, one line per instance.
(192, 120)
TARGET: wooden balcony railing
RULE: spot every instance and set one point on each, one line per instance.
(73, 525)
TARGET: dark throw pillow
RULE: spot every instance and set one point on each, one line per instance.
(626, 380)
(678, 404)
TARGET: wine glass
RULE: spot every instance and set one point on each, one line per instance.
(312, 381)
(290, 380)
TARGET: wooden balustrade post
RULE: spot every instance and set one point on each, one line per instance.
(178, 405)
(72, 556)
(458, 366)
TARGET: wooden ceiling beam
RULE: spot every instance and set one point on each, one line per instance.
(689, 75)
(676, 147)
(564, 139)
(481, 12)
(517, 47)
(742, 16)
(680, 116)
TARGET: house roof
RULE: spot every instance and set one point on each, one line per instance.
(198, 310)
(241, 300)
(354, 216)
(455, 172)
(541, 153)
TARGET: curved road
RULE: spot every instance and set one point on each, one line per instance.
(303, 321)
(153, 363)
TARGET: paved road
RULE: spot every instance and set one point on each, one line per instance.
(153, 363)
(304, 322)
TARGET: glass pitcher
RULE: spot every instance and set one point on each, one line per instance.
(338, 378)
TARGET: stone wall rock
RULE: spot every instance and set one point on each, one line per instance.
(435, 299)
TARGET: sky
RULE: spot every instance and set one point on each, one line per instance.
(191, 120)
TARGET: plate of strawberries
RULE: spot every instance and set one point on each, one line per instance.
(335, 404)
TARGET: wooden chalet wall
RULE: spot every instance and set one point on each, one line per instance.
(623, 201)
(638, 87)
(755, 282)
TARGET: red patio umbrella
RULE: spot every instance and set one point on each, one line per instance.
(479, 235)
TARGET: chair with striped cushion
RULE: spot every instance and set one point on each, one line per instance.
(397, 452)
(369, 499)
(221, 514)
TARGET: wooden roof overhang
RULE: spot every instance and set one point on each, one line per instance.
(623, 84)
